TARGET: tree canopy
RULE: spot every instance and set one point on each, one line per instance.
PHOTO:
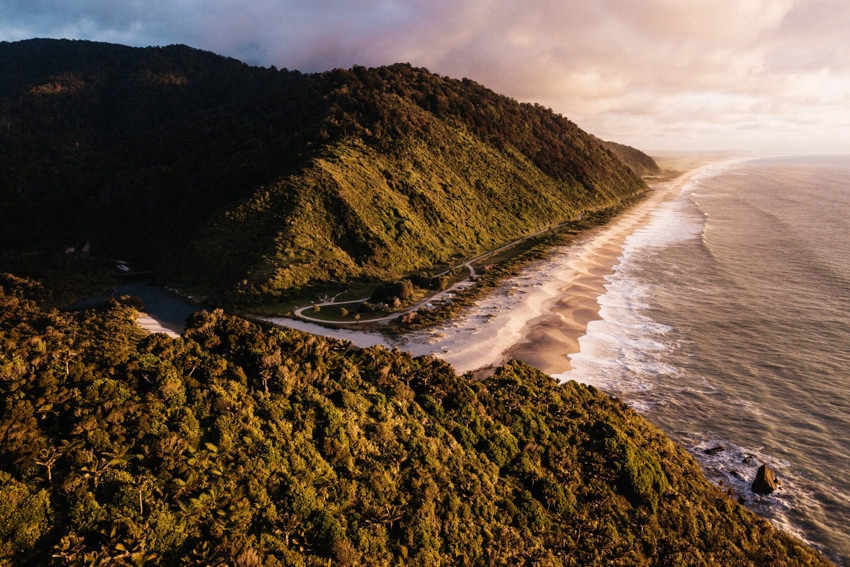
(242, 182)
(242, 445)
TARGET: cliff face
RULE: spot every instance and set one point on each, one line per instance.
(254, 181)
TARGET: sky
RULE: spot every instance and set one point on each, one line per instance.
(763, 77)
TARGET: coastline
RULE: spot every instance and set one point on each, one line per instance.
(552, 337)
(729, 288)
(539, 315)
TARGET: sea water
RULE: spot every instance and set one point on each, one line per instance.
(727, 323)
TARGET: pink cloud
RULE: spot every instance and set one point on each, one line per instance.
(619, 68)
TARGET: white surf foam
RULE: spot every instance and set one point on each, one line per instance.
(620, 352)
(734, 469)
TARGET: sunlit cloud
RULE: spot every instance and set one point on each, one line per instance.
(768, 75)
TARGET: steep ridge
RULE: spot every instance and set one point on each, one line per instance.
(247, 182)
(638, 161)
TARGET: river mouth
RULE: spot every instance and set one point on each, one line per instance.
(163, 311)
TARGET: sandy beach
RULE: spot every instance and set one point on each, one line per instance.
(539, 316)
(152, 325)
(552, 337)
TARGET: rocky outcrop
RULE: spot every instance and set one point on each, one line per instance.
(766, 481)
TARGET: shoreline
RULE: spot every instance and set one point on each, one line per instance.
(151, 325)
(539, 315)
(552, 337)
(710, 256)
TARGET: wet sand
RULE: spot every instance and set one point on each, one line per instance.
(152, 325)
(549, 339)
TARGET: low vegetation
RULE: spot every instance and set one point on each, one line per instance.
(494, 270)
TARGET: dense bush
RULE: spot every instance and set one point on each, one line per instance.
(401, 291)
(254, 184)
(244, 446)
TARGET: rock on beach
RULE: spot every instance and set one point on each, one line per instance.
(766, 481)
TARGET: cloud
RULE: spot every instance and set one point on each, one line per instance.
(649, 73)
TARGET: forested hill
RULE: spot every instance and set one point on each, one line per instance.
(638, 161)
(235, 445)
(248, 181)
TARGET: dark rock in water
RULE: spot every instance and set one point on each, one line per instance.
(749, 459)
(714, 450)
(766, 481)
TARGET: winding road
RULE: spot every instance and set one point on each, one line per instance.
(299, 312)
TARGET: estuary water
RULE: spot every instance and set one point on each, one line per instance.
(726, 322)
(164, 311)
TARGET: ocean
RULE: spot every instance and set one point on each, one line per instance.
(720, 309)
(726, 322)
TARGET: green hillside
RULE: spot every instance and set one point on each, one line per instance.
(243, 182)
(236, 445)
